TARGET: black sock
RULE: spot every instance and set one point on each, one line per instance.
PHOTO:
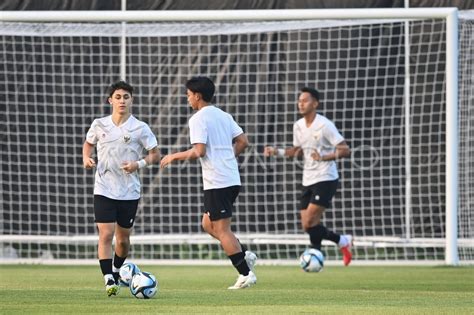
(106, 266)
(316, 234)
(330, 235)
(118, 261)
(244, 248)
(238, 260)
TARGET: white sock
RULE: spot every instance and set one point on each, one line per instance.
(343, 241)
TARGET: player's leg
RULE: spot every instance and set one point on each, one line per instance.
(122, 248)
(320, 198)
(104, 250)
(125, 220)
(207, 225)
(104, 212)
(218, 204)
(231, 246)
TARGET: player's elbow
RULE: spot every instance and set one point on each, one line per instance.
(200, 150)
(345, 152)
(242, 141)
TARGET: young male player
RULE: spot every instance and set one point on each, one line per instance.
(319, 142)
(217, 140)
(120, 140)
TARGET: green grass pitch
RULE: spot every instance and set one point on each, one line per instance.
(41, 289)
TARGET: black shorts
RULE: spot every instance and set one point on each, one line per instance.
(108, 210)
(319, 194)
(218, 203)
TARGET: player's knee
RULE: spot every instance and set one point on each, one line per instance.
(207, 227)
(122, 243)
(106, 238)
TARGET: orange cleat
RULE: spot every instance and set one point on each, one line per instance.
(346, 249)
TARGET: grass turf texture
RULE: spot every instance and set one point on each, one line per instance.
(38, 289)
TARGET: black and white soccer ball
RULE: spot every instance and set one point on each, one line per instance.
(127, 271)
(312, 260)
(144, 285)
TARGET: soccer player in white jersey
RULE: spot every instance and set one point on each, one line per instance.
(317, 139)
(217, 140)
(120, 139)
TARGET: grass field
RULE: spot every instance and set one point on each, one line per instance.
(38, 289)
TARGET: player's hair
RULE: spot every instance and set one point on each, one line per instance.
(202, 85)
(314, 93)
(120, 85)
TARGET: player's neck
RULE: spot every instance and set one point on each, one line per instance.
(202, 105)
(309, 118)
(119, 119)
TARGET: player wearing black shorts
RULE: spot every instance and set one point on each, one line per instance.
(120, 138)
(217, 140)
(317, 139)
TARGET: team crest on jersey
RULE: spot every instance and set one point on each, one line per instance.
(317, 135)
(127, 139)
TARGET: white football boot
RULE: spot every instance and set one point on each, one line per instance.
(244, 281)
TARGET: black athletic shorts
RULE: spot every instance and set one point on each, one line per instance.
(108, 210)
(319, 194)
(218, 203)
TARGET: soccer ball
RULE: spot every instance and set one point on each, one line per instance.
(312, 260)
(127, 271)
(143, 285)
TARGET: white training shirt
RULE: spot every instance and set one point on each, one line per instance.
(216, 129)
(323, 137)
(115, 145)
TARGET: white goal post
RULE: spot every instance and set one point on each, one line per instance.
(287, 237)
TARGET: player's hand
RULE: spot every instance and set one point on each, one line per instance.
(316, 156)
(88, 163)
(129, 166)
(166, 160)
(269, 151)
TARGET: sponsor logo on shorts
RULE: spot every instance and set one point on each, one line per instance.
(223, 211)
(316, 197)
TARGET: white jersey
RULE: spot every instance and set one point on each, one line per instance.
(216, 129)
(115, 145)
(322, 136)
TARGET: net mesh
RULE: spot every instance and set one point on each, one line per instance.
(55, 76)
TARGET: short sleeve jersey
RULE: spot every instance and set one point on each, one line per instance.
(115, 145)
(216, 129)
(323, 137)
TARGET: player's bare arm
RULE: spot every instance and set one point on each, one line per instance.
(241, 142)
(152, 157)
(87, 161)
(342, 151)
(288, 152)
(197, 151)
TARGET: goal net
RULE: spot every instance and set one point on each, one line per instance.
(54, 78)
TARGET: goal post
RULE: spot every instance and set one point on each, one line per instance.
(104, 57)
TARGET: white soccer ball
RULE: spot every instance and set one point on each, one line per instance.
(143, 285)
(312, 260)
(127, 271)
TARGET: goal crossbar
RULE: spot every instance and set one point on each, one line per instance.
(224, 15)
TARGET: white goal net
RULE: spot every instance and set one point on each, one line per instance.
(54, 77)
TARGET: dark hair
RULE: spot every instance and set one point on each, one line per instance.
(120, 85)
(202, 85)
(314, 93)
